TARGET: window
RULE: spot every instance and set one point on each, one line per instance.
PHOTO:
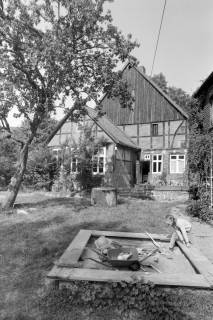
(98, 161)
(157, 163)
(177, 163)
(154, 129)
(74, 165)
(56, 153)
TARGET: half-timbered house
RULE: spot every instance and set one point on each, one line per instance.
(145, 143)
(157, 125)
(115, 159)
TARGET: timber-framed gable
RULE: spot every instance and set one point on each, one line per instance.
(157, 125)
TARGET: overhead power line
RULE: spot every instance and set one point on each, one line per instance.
(159, 31)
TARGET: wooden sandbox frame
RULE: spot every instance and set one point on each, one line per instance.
(69, 268)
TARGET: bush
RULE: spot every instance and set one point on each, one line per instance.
(41, 169)
(87, 180)
(200, 203)
(129, 300)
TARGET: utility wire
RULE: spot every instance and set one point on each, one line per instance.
(156, 47)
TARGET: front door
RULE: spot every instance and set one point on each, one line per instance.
(145, 169)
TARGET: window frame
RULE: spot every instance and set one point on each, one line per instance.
(177, 171)
(76, 165)
(157, 161)
(101, 159)
(155, 129)
(56, 152)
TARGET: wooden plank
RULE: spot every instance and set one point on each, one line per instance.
(161, 279)
(168, 134)
(199, 261)
(73, 252)
(164, 137)
(132, 235)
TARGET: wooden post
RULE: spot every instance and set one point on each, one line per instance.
(138, 177)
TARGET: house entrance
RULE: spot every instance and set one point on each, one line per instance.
(145, 169)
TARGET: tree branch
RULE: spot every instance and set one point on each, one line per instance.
(76, 106)
(30, 80)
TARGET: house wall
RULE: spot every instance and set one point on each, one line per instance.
(173, 179)
(119, 162)
(124, 175)
(71, 132)
(171, 139)
(208, 107)
(120, 166)
(151, 107)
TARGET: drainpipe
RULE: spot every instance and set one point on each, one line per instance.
(115, 155)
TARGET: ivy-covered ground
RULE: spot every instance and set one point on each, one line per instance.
(36, 235)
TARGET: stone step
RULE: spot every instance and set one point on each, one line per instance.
(143, 194)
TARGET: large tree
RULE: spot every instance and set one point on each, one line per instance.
(51, 50)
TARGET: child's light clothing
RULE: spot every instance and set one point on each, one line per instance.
(182, 227)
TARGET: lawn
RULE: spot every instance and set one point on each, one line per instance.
(31, 240)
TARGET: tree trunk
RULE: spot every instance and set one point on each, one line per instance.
(77, 105)
(16, 180)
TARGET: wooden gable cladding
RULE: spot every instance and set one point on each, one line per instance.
(150, 104)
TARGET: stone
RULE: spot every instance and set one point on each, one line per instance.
(104, 196)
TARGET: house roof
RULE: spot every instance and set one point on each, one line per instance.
(142, 73)
(115, 133)
(208, 81)
(177, 107)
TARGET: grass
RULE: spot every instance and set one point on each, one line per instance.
(31, 240)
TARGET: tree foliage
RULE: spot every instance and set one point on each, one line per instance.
(8, 158)
(49, 55)
(199, 144)
(41, 169)
(199, 161)
(52, 50)
(199, 149)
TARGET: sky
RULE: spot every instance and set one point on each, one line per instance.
(185, 50)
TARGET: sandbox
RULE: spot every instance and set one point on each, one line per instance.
(187, 267)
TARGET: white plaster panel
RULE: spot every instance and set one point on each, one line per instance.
(144, 129)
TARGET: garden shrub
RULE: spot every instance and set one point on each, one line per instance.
(199, 162)
(199, 205)
(41, 169)
(135, 300)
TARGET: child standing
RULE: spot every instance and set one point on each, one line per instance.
(181, 228)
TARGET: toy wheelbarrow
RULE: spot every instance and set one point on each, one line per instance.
(113, 258)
